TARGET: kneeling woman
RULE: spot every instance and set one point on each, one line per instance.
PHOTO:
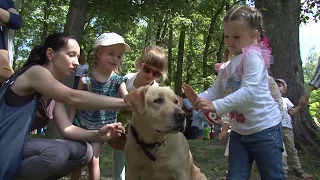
(50, 63)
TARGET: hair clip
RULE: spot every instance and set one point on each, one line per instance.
(243, 14)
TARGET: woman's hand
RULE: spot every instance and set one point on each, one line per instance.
(111, 131)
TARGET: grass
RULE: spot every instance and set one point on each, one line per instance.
(209, 157)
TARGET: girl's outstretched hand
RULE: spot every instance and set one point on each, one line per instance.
(190, 93)
(197, 103)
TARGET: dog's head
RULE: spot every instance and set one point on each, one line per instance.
(157, 108)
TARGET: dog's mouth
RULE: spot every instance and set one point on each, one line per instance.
(174, 129)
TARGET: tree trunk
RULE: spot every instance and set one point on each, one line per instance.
(178, 79)
(162, 31)
(46, 15)
(170, 46)
(208, 42)
(148, 34)
(283, 32)
(190, 55)
(76, 18)
(158, 31)
(75, 24)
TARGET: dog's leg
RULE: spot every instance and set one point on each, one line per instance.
(195, 171)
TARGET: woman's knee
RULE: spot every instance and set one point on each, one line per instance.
(82, 153)
(56, 157)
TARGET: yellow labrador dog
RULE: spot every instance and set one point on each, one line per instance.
(156, 149)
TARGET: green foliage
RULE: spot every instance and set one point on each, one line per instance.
(141, 23)
(308, 71)
(310, 10)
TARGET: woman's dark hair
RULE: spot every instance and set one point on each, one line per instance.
(55, 41)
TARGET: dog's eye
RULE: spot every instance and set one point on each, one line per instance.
(176, 102)
(159, 100)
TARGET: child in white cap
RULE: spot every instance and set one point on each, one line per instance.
(102, 78)
(288, 135)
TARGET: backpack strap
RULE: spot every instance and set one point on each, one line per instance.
(6, 84)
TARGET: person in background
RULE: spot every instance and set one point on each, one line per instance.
(313, 84)
(9, 19)
(82, 68)
(288, 135)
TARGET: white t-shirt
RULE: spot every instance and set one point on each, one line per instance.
(287, 105)
(81, 69)
(130, 79)
(242, 90)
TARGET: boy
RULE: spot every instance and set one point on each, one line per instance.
(288, 136)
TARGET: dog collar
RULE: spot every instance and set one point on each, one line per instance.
(144, 145)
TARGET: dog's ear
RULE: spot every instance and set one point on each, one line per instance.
(180, 101)
(136, 99)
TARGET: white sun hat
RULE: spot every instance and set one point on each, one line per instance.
(107, 39)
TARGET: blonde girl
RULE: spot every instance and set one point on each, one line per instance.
(102, 79)
(150, 66)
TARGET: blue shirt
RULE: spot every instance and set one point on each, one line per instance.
(14, 23)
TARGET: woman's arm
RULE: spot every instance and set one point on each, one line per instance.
(41, 80)
(72, 132)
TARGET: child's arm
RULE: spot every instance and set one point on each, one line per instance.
(212, 93)
(291, 109)
(224, 131)
(72, 112)
(253, 71)
(295, 110)
(122, 90)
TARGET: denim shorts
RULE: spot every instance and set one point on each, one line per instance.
(265, 147)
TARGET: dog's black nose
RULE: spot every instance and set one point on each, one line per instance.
(179, 114)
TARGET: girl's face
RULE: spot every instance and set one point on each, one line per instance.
(238, 35)
(149, 73)
(109, 57)
(65, 60)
